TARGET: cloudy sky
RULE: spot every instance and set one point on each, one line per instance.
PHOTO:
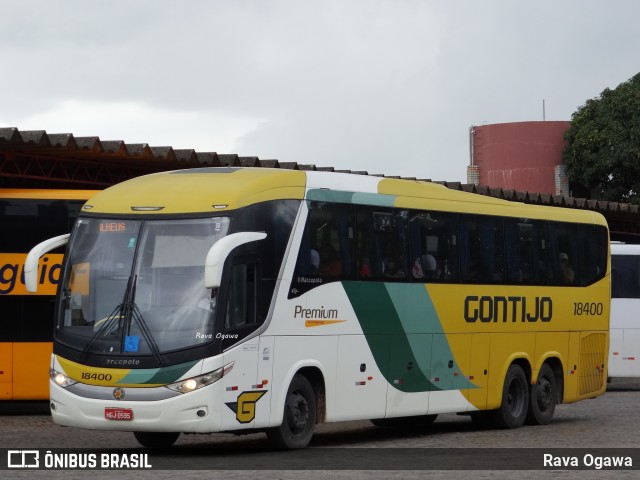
(386, 86)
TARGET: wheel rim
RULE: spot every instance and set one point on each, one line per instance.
(544, 394)
(297, 413)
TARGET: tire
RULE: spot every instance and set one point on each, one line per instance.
(299, 419)
(543, 398)
(515, 400)
(405, 422)
(156, 439)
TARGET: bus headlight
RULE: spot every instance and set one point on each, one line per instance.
(194, 383)
(61, 379)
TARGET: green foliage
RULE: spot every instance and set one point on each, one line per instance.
(603, 144)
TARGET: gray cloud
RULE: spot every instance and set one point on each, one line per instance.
(387, 86)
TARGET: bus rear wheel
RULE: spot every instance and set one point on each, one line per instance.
(156, 439)
(543, 397)
(299, 417)
(515, 400)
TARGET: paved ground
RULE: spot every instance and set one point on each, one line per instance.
(609, 421)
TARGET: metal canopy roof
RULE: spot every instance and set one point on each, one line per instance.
(36, 159)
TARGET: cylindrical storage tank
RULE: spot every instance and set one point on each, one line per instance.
(519, 155)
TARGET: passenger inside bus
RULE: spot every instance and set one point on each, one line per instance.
(364, 267)
(568, 274)
(330, 264)
(393, 268)
(425, 266)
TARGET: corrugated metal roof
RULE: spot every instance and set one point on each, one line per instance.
(36, 158)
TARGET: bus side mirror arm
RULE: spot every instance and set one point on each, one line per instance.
(33, 258)
(219, 252)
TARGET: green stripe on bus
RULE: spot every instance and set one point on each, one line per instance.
(158, 376)
(405, 336)
(387, 339)
(341, 196)
(418, 315)
(171, 374)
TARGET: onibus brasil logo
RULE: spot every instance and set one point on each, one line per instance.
(32, 459)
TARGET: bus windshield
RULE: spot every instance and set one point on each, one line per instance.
(136, 287)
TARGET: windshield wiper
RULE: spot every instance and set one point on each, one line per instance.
(132, 313)
(128, 311)
(114, 317)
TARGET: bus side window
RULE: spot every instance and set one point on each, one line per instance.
(625, 280)
(389, 260)
(329, 260)
(241, 316)
(364, 245)
(525, 251)
(328, 243)
(593, 253)
(433, 247)
(481, 249)
(426, 238)
(308, 258)
(563, 253)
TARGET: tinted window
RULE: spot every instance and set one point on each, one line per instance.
(564, 254)
(434, 250)
(26, 319)
(481, 249)
(24, 223)
(327, 248)
(625, 276)
(241, 316)
(32, 221)
(525, 249)
(276, 219)
(395, 244)
(594, 243)
(382, 244)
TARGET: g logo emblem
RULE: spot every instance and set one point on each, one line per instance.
(245, 407)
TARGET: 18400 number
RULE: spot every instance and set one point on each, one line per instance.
(587, 308)
(105, 377)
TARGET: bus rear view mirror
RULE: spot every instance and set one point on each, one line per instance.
(33, 258)
(219, 252)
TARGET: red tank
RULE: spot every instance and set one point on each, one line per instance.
(520, 155)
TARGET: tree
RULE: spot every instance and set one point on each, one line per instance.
(602, 154)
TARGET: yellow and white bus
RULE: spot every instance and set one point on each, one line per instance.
(27, 217)
(238, 299)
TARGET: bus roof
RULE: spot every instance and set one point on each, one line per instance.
(199, 190)
(218, 189)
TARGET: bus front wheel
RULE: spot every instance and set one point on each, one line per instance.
(156, 439)
(543, 397)
(515, 399)
(299, 417)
